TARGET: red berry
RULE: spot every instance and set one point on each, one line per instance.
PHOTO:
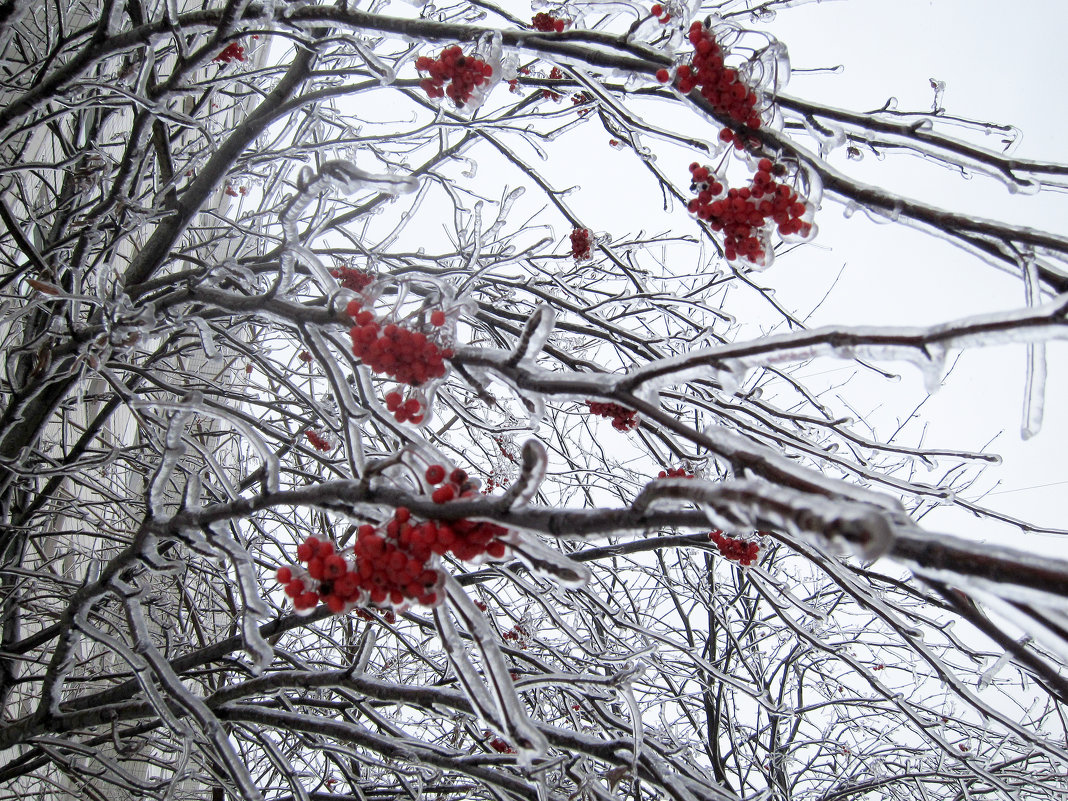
(663, 76)
(307, 549)
(435, 474)
(443, 494)
(284, 575)
(437, 317)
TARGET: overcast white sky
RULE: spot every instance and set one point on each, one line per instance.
(1002, 63)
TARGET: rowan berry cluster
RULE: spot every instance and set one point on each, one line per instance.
(328, 576)
(410, 357)
(392, 564)
(304, 356)
(661, 13)
(232, 52)
(722, 86)
(515, 633)
(580, 244)
(376, 570)
(549, 94)
(547, 23)
(387, 616)
(745, 215)
(466, 539)
(497, 744)
(404, 411)
(582, 99)
(464, 74)
(318, 441)
(736, 550)
(623, 419)
(676, 472)
(356, 280)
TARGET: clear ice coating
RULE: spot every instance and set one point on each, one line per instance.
(1035, 376)
(535, 334)
(255, 609)
(925, 348)
(547, 562)
(494, 698)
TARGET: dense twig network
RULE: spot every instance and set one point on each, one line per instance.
(345, 455)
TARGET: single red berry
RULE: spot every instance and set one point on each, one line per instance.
(443, 494)
(663, 76)
(307, 549)
(437, 317)
(284, 575)
(435, 474)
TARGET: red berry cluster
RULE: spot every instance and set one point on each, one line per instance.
(547, 23)
(405, 411)
(661, 13)
(740, 551)
(676, 472)
(549, 94)
(464, 74)
(387, 616)
(720, 85)
(497, 744)
(580, 244)
(410, 357)
(516, 633)
(356, 280)
(231, 191)
(623, 419)
(329, 576)
(392, 564)
(581, 99)
(318, 441)
(746, 215)
(466, 539)
(232, 52)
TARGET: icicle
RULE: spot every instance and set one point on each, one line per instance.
(386, 74)
(211, 350)
(495, 700)
(988, 675)
(535, 334)
(352, 179)
(1035, 377)
(532, 473)
(546, 562)
(256, 647)
(174, 449)
(193, 489)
